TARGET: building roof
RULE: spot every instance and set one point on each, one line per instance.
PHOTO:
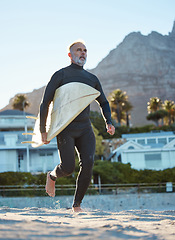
(143, 147)
(14, 112)
(128, 144)
(150, 134)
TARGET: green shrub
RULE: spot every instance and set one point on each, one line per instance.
(123, 173)
(109, 172)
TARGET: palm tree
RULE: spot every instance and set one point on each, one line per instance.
(169, 106)
(173, 113)
(20, 102)
(154, 104)
(157, 115)
(127, 107)
(117, 101)
(154, 108)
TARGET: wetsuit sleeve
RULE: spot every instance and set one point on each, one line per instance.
(104, 104)
(53, 84)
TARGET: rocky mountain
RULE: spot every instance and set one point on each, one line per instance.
(143, 66)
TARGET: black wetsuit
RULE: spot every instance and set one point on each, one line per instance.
(79, 132)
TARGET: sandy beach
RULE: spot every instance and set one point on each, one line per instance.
(57, 222)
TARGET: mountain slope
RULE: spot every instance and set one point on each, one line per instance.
(144, 67)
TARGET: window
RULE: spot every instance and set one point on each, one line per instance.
(42, 154)
(151, 141)
(20, 158)
(171, 139)
(45, 154)
(47, 161)
(153, 156)
(141, 141)
(162, 140)
(153, 160)
(131, 147)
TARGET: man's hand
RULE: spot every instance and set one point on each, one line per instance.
(110, 129)
(44, 138)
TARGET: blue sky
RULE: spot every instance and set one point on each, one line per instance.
(35, 35)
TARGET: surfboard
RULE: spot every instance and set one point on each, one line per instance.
(69, 101)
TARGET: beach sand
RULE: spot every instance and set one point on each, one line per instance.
(44, 223)
(60, 222)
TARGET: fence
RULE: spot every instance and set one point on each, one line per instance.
(130, 188)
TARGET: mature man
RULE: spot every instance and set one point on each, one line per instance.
(79, 132)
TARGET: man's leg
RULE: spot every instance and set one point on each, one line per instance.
(50, 185)
(86, 149)
(66, 167)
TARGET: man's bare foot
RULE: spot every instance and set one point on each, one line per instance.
(50, 186)
(77, 209)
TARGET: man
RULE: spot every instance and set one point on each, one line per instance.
(79, 132)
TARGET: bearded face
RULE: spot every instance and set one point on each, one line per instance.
(79, 60)
(78, 54)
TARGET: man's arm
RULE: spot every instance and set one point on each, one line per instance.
(53, 84)
(47, 98)
(105, 108)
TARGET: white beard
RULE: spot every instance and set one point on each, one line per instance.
(79, 61)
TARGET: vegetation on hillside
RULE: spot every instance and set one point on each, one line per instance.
(110, 172)
(162, 113)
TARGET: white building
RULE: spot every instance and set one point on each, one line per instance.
(147, 150)
(15, 156)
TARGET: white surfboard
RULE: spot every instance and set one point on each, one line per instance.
(69, 101)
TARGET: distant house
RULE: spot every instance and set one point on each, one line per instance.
(12, 120)
(15, 156)
(147, 150)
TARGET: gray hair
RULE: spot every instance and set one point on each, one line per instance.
(78, 41)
